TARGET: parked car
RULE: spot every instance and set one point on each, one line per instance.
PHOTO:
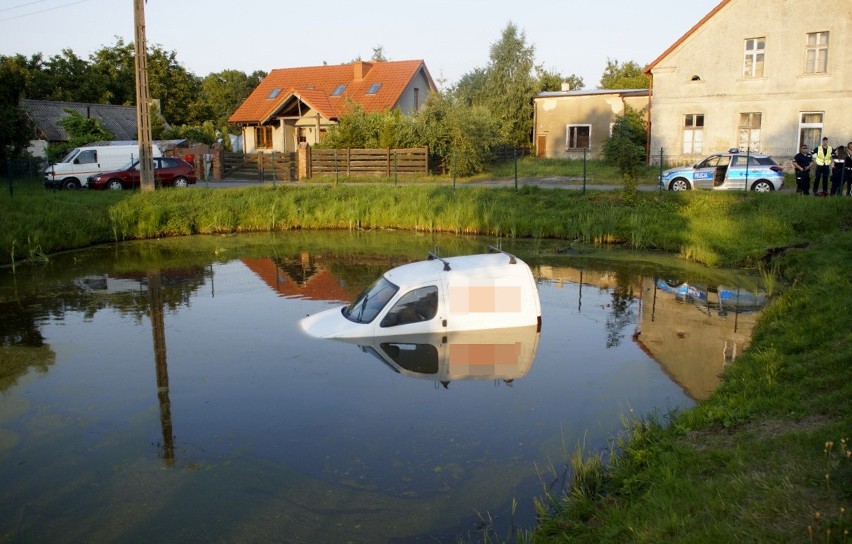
(727, 172)
(72, 171)
(168, 172)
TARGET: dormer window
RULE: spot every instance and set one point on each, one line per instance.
(274, 93)
(338, 90)
(374, 88)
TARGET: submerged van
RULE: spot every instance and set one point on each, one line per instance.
(439, 295)
(81, 162)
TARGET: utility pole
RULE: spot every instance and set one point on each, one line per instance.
(143, 103)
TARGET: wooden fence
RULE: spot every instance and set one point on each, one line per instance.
(273, 166)
(368, 162)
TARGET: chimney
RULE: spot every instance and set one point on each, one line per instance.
(566, 86)
(361, 69)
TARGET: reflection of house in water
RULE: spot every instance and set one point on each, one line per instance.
(298, 278)
(690, 330)
(694, 331)
(306, 276)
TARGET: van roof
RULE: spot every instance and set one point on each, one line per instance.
(484, 266)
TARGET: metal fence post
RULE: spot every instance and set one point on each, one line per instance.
(748, 157)
(454, 168)
(585, 162)
(515, 159)
(394, 167)
(660, 181)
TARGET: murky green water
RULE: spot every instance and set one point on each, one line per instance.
(162, 391)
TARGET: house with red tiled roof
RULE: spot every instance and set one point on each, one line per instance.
(764, 75)
(294, 106)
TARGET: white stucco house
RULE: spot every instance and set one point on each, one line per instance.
(765, 75)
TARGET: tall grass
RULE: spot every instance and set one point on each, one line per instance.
(708, 228)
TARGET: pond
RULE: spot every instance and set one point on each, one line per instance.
(162, 391)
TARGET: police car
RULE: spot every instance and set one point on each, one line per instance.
(731, 171)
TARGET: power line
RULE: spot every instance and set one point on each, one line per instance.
(40, 11)
(23, 5)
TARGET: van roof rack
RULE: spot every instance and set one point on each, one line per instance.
(433, 257)
(512, 260)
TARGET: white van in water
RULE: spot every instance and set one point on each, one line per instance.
(81, 162)
(439, 295)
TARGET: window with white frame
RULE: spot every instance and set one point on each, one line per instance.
(693, 133)
(753, 57)
(578, 136)
(749, 129)
(810, 129)
(816, 56)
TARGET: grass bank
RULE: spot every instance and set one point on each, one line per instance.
(766, 459)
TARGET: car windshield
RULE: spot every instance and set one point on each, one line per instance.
(128, 166)
(370, 302)
(67, 158)
(709, 161)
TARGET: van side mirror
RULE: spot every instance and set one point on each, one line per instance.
(76, 161)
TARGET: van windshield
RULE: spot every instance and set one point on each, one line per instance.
(67, 158)
(370, 302)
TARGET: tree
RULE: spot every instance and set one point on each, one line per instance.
(623, 76)
(116, 66)
(379, 54)
(222, 93)
(470, 88)
(510, 85)
(15, 131)
(460, 134)
(81, 130)
(553, 81)
(626, 147)
(73, 80)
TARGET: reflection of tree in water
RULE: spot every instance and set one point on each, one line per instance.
(623, 313)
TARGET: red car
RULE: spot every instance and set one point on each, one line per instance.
(168, 172)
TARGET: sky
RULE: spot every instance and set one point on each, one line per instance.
(453, 37)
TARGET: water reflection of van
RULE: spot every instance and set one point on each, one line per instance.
(71, 171)
(496, 354)
(471, 292)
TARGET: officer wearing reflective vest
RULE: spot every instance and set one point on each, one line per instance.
(822, 159)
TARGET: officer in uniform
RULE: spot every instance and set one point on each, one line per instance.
(802, 165)
(822, 158)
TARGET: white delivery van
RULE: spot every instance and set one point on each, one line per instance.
(466, 293)
(81, 162)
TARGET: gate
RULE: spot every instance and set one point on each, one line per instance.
(274, 166)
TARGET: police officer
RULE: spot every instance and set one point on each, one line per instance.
(822, 158)
(838, 160)
(847, 171)
(802, 165)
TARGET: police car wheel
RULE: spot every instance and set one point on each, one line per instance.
(762, 187)
(679, 185)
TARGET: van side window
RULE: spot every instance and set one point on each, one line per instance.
(415, 306)
(88, 156)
